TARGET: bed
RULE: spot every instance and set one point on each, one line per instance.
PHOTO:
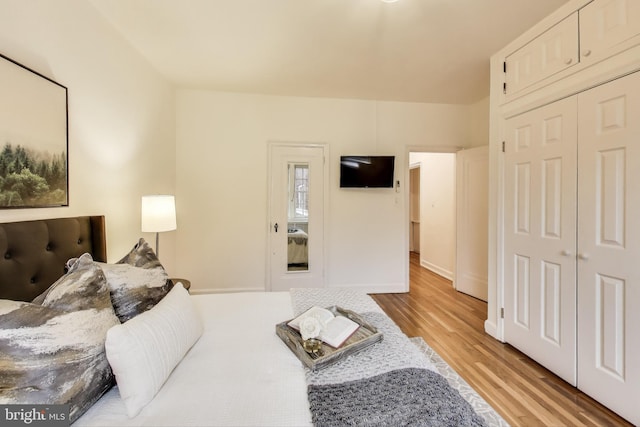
(218, 355)
(34, 253)
(297, 248)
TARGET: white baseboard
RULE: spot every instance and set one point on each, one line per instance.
(387, 288)
(438, 270)
(201, 291)
(492, 329)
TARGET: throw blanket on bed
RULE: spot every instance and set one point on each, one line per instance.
(388, 384)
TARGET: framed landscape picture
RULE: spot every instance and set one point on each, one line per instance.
(33, 139)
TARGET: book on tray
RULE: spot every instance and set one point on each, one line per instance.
(334, 330)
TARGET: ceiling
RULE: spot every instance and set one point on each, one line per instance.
(434, 51)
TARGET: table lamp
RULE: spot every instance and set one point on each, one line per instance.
(158, 214)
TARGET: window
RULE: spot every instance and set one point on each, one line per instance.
(298, 192)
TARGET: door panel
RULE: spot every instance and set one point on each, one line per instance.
(296, 242)
(521, 291)
(551, 197)
(551, 287)
(523, 197)
(540, 238)
(609, 245)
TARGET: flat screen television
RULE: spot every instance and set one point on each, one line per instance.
(366, 171)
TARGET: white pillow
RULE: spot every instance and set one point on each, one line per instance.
(143, 351)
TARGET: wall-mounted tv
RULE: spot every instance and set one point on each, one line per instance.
(366, 171)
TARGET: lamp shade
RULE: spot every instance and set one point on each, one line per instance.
(158, 213)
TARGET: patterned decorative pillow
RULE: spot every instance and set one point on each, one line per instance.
(53, 352)
(137, 282)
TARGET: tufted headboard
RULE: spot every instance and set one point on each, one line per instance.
(33, 254)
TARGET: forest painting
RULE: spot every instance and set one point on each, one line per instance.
(33, 139)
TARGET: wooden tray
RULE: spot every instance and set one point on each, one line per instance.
(362, 338)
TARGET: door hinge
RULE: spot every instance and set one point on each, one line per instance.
(504, 67)
(503, 147)
(502, 313)
(504, 88)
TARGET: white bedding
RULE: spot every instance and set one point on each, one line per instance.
(238, 374)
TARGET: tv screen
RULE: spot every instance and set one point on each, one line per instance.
(366, 171)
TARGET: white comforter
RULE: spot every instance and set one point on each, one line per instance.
(238, 374)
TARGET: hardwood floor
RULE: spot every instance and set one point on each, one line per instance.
(522, 391)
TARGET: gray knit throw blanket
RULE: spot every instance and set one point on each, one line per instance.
(388, 384)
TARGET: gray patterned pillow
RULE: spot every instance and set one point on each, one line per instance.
(53, 352)
(137, 282)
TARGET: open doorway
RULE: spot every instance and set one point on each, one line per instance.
(434, 210)
(448, 208)
(414, 209)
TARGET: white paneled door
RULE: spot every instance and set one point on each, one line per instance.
(572, 240)
(609, 245)
(472, 195)
(297, 187)
(540, 236)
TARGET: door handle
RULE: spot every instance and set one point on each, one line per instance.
(275, 227)
(583, 256)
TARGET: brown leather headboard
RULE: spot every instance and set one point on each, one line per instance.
(33, 254)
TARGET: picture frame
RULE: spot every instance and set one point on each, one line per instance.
(34, 139)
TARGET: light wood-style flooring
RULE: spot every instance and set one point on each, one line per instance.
(522, 391)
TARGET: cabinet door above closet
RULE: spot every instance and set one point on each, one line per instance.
(551, 52)
(600, 29)
(606, 23)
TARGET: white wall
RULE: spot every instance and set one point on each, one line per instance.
(123, 144)
(222, 191)
(479, 123)
(121, 115)
(437, 211)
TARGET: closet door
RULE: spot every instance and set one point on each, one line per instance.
(609, 245)
(540, 236)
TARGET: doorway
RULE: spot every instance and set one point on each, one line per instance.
(448, 193)
(414, 208)
(435, 200)
(297, 199)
